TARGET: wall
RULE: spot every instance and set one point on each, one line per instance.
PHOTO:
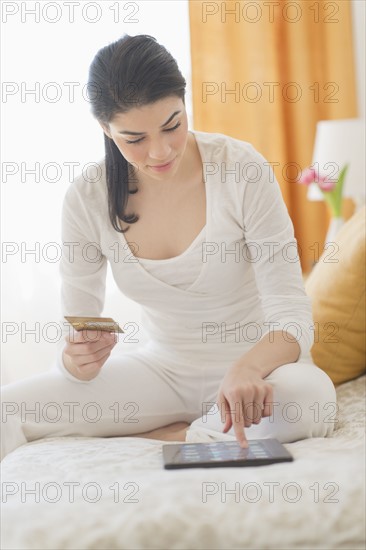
(359, 26)
(42, 50)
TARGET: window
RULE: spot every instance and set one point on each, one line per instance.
(48, 136)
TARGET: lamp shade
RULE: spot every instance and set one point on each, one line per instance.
(340, 142)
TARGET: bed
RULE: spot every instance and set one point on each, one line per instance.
(113, 493)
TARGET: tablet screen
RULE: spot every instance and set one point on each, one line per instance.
(224, 453)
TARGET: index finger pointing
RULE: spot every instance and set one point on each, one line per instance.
(237, 417)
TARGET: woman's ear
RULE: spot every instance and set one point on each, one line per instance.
(105, 129)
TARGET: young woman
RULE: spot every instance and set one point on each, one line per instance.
(195, 230)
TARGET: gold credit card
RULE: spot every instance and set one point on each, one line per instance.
(106, 324)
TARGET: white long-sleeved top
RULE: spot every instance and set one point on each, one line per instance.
(249, 280)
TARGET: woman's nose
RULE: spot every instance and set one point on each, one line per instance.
(160, 150)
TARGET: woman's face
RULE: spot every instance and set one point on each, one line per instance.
(152, 138)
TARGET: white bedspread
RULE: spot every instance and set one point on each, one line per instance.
(124, 499)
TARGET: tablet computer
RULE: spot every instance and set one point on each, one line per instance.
(219, 454)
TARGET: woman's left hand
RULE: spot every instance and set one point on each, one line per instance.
(243, 399)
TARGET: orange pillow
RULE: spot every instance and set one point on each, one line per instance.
(336, 287)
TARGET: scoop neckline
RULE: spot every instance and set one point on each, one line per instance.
(184, 253)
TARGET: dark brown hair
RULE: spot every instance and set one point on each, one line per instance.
(131, 72)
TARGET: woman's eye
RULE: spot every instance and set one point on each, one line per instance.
(137, 141)
(174, 128)
(167, 130)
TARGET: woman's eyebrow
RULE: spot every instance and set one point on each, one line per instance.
(141, 133)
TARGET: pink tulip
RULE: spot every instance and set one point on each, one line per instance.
(326, 184)
(308, 176)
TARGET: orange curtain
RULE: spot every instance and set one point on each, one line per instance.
(266, 72)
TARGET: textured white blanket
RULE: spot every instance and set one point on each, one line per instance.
(95, 493)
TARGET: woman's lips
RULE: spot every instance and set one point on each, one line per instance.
(162, 167)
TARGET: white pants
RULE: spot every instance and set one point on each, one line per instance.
(142, 390)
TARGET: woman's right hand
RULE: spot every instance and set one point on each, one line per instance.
(86, 352)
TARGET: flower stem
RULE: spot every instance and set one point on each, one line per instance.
(334, 197)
